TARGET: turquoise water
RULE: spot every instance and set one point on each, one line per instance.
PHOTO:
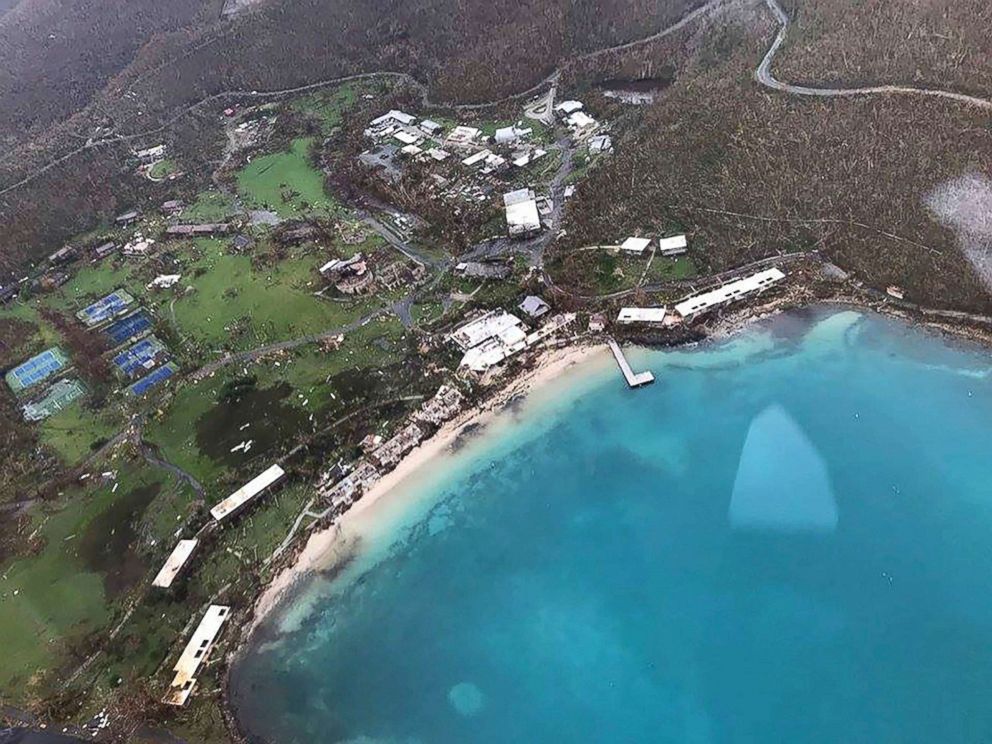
(788, 538)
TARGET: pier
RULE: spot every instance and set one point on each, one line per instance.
(633, 379)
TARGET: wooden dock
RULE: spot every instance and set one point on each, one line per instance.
(633, 379)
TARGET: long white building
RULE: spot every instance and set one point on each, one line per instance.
(175, 563)
(247, 493)
(195, 654)
(735, 290)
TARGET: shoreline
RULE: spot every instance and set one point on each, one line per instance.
(330, 546)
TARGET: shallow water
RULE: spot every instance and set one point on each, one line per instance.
(785, 539)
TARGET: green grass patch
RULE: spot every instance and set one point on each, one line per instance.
(285, 183)
(327, 106)
(210, 206)
(162, 169)
(74, 432)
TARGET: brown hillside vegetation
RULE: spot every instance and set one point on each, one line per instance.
(56, 54)
(748, 173)
(931, 43)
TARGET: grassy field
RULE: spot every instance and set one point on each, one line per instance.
(74, 432)
(235, 304)
(51, 600)
(162, 169)
(210, 206)
(285, 183)
(327, 106)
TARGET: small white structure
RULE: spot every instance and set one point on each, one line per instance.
(506, 135)
(673, 246)
(151, 155)
(580, 123)
(406, 137)
(600, 143)
(522, 217)
(438, 154)
(175, 563)
(651, 315)
(635, 245)
(164, 281)
(195, 654)
(735, 290)
(567, 108)
(431, 127)
(247, 493)
(476, 159)
(138, 247)
(411, 151)
(394, 116)
(462, 136)
(534, 306)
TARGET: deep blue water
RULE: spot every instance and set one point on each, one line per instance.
(788, 538)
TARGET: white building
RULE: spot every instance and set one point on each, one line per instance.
(462, 136)
(175, 563)
(391, 117)
(735, 290)
(476, 159)
(635, 245)
(580, 123)
(195, 654)
(651, 315)
(164, 281)
(673, 246)
(247, 493)
(506, 135)
(151, 155)
(138, 247)
(489, 339)
(567, 108)
(600, 143)
(406, 137)
(534, 306)
(522, 217)
(431, 127)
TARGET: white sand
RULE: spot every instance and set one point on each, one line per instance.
(326, 548)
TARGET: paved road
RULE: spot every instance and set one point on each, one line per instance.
(764, 75)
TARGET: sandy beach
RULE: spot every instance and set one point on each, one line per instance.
(326, 548)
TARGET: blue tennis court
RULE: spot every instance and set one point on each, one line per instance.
(110, 306)
(36, 369)
(162, 374)
(139, 357)
(127, 328)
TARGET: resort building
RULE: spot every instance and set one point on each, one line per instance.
(349, 489)
(462, 136)
(192, 231)
(392, 451)
(754, 284)
(673, 246)
(482, 270)
(247, 493)
(650, 315)
(635, 245)
(522, 217)
(195, 654)
(442, 407)
(489, 339)
(175, 563)
(535, 307)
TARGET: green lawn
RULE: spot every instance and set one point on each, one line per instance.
(238, 306)
(327, 105)
(210, 206)
(162, 169)
(286, 183)
(50, 600)
(73, 431)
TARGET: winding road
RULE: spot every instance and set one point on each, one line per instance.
(764, 75)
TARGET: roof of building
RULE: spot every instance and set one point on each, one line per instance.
(569, 107)
(491, 325)
(196, 652)
(174, 563)
(674, 243)
(251, 490)
(429, 125)
(407, 138)
(393, 115)
(728, 292)
(476, 158)
(635, 245)
(534, 306)
(642, 315)
(580, 119)
(522, 215)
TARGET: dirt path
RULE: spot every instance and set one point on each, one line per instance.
(764, 75)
